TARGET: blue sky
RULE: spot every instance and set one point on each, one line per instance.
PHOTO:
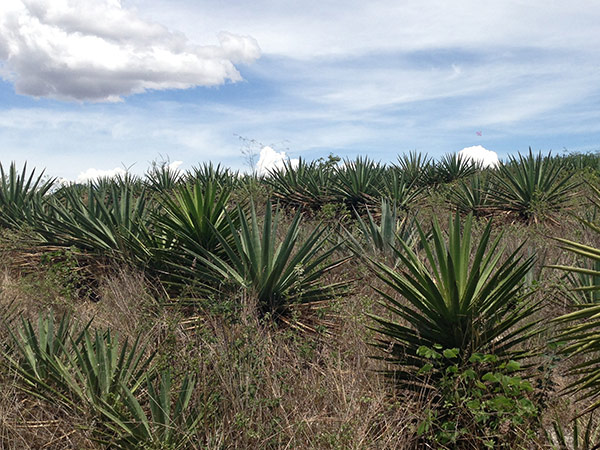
(107, 83)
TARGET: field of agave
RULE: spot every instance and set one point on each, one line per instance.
(333, 304)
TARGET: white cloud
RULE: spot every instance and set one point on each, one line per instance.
(96, 50)
(93, 174)
(270, 159)
(175, 165)
(479, 154)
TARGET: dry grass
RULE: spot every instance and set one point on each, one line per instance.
(263, 386)
(260, 384)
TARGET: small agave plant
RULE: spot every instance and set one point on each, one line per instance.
(382, 236)
(413, 167)
(399, 190)
(454, 166)
(305, 185)
(579, 335)
(109, 219)
(358, 183)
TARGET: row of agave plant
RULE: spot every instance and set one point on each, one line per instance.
(189, 237)
(527, 186)
(465, 298)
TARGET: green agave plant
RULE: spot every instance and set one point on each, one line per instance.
(60, 362)
(21, 195)
(358, 183)
(42, 358)
(162, 177)
(381, 237)
(277, 273)
(580, 327)
(112, 219)
(533, 186)
(398, 190)
(207, 173)
(580, 289)
(105, 185)
(166, 426)
(192, 222)
(304, 185)
(578, 162)
(454, 166)
(96, 374)
(413, 166)
(102, 370)
(462, 295)
(583, 435)
(474, 196)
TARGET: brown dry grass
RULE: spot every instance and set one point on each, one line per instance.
(261, 385)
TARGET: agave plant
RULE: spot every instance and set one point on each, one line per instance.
(414, 166)
(96, 374)
(168, 425)
(304, 185)
(191, 224)
(109, 221)
(382, 237)
(105, 185)
(461, 296)
(278, 274)
(162, 177)
(581, 289)
(398, 190)
(474, 196)
(209, 173)
(358, 182)
(582, 161)
(42, 358)
(583, 435)
(60, 362)
(102, 370)
(454, 166)
(580, 327)
(533, 187)
(21, 195)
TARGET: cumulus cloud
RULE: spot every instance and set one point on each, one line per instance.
(270, 159)
(175, 165)
(93, 174)
(97, 50)
(479, 154)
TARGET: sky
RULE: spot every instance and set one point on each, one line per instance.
(99, 85)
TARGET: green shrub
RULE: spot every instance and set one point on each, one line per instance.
(480, 403)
